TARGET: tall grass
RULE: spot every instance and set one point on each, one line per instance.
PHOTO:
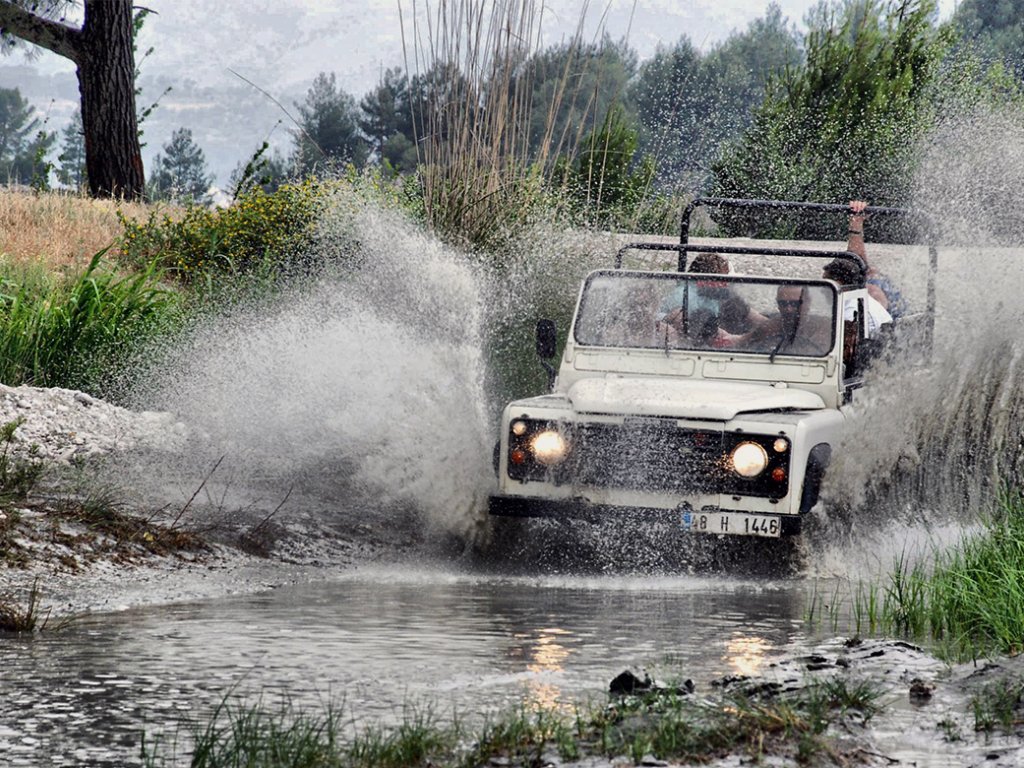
(59, 230)
(970, 601)
(78, 332)
(481, 179)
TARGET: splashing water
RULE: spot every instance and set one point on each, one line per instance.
(364, 391)
(369, 392)
(928, 448)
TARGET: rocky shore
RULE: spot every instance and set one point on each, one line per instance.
(64, 527)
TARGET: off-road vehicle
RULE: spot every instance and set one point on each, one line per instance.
(717, 399)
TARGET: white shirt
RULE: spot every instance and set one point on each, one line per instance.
(875, 314)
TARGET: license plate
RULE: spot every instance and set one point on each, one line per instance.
(733, 524)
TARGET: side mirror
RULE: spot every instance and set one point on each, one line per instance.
(547, 339)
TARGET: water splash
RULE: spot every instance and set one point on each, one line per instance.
(364, 390)
(932, 445)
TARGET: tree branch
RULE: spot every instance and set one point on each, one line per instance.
(52, 35)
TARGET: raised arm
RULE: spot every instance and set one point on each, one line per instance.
(855, 235)
(855, 243)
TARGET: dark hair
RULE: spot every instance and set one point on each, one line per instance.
(710, 263)
(843, 271)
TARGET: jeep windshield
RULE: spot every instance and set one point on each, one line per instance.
(702, 312)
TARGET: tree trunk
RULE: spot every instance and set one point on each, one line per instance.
(106, 82)
(104, 51)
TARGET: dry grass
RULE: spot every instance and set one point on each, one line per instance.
(59, 230)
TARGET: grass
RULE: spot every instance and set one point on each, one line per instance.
(998, 705)
(968, 602)
(666, 725)
(29, 616)
(73, 332)
(59, 231)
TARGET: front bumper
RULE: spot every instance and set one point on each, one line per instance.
(579, 509)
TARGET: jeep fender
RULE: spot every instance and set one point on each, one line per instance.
(817, 462)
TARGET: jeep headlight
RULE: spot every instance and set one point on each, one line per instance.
(549, 447)
(749, 459)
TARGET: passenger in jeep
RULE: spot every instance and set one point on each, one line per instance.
(879, 287)
(733, 315)
(844, 272)
(796, 330)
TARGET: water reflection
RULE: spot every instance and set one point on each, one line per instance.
(377, 640)
(746, 655)
(547, 654)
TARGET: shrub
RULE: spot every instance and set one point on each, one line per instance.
(259, 231)
(845, 125)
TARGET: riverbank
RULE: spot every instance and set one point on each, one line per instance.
(66, 528)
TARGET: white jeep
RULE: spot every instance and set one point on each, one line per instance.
(714, 398)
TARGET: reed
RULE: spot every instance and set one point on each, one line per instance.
(482, 176)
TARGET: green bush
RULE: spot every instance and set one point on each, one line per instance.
(79, 333)
(847, 124)
(261, 231)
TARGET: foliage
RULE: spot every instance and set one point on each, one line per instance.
(78, 333)
(329, 132)
(259, 231)
(570, 86)
(605, 181)
(386, 118)
(23, 141)
(71, 171)
(138, 22)
(180, 174)
(487, 140)
(996, 27)
(848, 123)
(689, 104)
(268, 172)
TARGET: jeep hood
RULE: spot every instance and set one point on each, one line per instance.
(713, 400)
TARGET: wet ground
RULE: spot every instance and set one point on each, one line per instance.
(375, 640)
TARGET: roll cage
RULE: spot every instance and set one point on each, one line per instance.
(684, 247)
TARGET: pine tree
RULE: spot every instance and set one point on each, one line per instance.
(72, 171)
(330, 131)
(180, 173)
(24, 143)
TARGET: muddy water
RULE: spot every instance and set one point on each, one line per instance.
(373, 641)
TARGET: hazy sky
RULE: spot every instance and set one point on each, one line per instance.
(281, 46)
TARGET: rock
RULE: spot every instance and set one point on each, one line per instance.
(920, 691)
(652, 761)
(627, 683)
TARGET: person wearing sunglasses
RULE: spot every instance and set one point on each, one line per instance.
(797, 329)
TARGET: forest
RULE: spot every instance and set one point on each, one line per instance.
(834, 112)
